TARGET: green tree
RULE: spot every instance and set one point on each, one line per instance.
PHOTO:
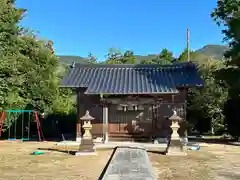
(42, 75)
(128, 58)
(115, 56)
(227, 15)
(184, 56)
(11, 60)
(91, 59)
(206, 104)
(164, 57)
(29, 71)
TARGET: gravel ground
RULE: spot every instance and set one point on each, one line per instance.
(17, 163)
(218, 162)
(215, 162)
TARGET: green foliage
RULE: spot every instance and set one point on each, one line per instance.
(29, 72)
(184, 56)
(115, 56)
(10, 59)
(227, 15)
(64, 102)
(128, 58)
(165, 57)
(207, 103)
(213, 51)
(91, 59)
(70, 59)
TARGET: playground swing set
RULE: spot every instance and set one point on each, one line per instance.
(14, 124)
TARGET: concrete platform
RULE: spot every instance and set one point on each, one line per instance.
(111, 145)
(86, 153)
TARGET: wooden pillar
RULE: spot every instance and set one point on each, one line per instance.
(78, 125)
(185, 123)
(105, 123)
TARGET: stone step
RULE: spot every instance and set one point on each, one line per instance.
(129, 164)
(128, 137)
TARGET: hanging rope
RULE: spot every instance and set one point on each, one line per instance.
(8, 126)
(22, 125)
(9, 132)
(29, 119)
(15, 129)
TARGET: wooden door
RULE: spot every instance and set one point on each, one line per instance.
(130, 122)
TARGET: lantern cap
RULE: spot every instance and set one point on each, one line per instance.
(87, 117)
(175, 116)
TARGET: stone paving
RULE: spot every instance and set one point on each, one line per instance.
(129, 164)
(113, 144)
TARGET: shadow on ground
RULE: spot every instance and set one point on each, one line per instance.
(70, 152)
(214, 141)
(157, 152)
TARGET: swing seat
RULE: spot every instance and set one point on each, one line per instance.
(12, 139)
(25, 139)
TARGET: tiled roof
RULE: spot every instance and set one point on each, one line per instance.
(132, 79)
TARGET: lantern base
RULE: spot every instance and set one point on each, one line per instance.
(81, 153)
(86, 147)
(175, 147)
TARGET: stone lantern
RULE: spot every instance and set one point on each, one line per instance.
(87, 146)
(175, 146)
(87, 126)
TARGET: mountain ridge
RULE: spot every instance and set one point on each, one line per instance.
(211, 50)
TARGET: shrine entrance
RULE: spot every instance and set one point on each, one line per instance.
(141, 120)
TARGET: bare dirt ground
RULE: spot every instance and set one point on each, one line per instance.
(215, 162)
(16, 163)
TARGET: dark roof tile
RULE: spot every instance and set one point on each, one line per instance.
(132, 79)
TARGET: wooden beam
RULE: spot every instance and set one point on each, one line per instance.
(78, 124)
(105, 123)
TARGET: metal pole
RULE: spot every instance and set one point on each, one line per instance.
(188, 45)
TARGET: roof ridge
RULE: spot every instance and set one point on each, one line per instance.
(181, 64)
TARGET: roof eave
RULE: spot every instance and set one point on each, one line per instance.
(140, 93)
(191, 85)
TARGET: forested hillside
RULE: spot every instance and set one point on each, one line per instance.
(212, 51)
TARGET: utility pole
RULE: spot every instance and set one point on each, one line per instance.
(188, 59)
(188, 46)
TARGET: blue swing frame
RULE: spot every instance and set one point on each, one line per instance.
(19, 111)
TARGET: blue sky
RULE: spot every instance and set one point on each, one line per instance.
(78, 27)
